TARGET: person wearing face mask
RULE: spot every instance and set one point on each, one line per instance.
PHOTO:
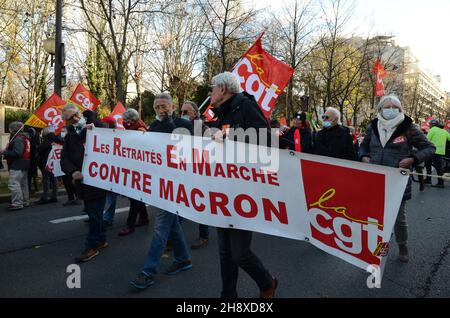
(132, 121)
(300, 136)
(72, 156)
(334, 140)
(389, 140)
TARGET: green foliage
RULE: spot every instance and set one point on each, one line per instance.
(16, 115)
(148, 113)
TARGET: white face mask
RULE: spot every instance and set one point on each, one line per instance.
(186, 117)
(390, 113)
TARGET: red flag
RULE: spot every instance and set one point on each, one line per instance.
(380, 72)
(209, 114)
(297, 140)
(48, 114)
(84, 98)
(117, 112)
(447, 124)
(426, 125)
(263, 76)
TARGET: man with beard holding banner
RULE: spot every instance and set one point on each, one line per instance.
(238, 110)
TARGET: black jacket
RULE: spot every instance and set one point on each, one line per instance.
(45, 147)
(305, 139)
(17, 153)
(335, 142)
(72, 156)
(169, 124)
(242, 111)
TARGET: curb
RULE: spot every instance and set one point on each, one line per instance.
(6, 198)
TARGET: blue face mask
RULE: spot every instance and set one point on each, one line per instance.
(186, 117)
(327, 124)
(390, 113)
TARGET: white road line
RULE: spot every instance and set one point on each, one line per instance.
(82, 217)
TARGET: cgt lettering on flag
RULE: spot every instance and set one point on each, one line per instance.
(263, 76)
(84, 98)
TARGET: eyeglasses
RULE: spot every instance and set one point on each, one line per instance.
(211, 87)
(325, 117)
(71, 117)
(184, 112)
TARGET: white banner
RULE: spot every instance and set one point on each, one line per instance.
(54, 161)
(345, 208)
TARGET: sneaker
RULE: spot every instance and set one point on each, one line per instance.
(126, 231)
(42, 201)
(102, 245)
(142, 223)
(15, 207)
(86, 255)
(178, 267)
(403, 254)
(142, 281)
(53, 200)
(199, 243)
(270, 293)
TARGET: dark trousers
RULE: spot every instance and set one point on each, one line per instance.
(48, 182)
(204, 231)
(436, 161)
(68, 185)
(136, 208)
(94, 209)
(234, 249)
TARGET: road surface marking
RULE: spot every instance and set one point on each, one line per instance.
(82, 217)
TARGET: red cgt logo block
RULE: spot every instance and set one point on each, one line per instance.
(345, 208)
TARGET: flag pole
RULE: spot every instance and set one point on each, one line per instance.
(203, 104)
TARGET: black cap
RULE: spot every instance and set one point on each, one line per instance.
(300, 115)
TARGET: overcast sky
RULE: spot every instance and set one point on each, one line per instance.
(423, 25)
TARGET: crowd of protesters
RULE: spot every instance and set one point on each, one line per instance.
(391, 139)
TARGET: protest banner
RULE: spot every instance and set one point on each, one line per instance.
(54, 161)
(346, 208)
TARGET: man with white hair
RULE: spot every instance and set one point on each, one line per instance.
(238, 110)
(17, 155)
(334, 140)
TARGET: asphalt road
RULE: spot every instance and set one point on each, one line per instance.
(35, 253)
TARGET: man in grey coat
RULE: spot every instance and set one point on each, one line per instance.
(389, 140)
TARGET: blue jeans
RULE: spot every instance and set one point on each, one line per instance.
(108, 215)
(94, 209)
(166, 224)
